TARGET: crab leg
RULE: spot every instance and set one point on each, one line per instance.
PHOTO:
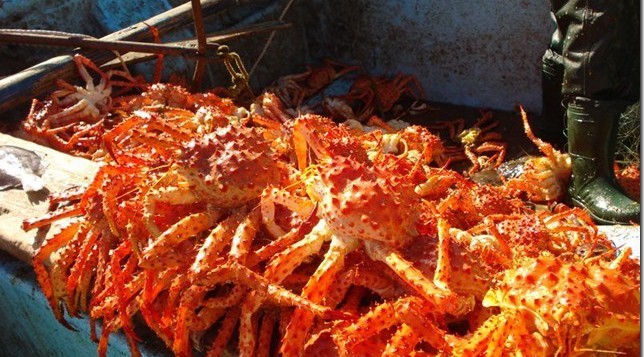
(315, 290)
(82, 296)
(71, 211)
(277, 294)
(360, 277)
(443, 271)
(243, 238)
(124, 306)
(173, 195)
(234, 296)
(264, 289)
(303, 136)
(277, 270)
(79, 268)
(226, 330)
(410, 313)
(270, 197)
(414, 313)
(265, 335)
(191, 297)
(238, 254)
(205, 318)
(211, 309)
(66, 235)
(445, 300)
(187, 227)
(213, 245)
(154, 284)
(247, 332)
(73, 113)
(402, 343)
(545, 148)
(240, 246)
(284, 263)
(488, 340)
(278, 245)
(377, 319)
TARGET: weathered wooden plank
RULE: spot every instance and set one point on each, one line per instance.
(16, 205)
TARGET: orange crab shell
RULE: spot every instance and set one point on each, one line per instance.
(328, 138)
(629, 179)
(159, 93)
(592, 303)
(430, 145)
(235, 163)
(362, 202)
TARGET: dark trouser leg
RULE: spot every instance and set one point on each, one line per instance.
(601, 76)
(551, 126)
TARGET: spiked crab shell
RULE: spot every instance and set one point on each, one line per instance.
(233, 164)
(362, 202)
(594, 303)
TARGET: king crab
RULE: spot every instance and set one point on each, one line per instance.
(73, 114)
(359, 205)
(552, 306)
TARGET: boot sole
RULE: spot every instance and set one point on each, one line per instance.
(578, 203)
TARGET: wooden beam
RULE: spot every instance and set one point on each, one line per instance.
(220, 36)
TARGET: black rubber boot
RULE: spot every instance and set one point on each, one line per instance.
(592, 129)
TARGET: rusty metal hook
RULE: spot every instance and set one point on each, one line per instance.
(236, 69)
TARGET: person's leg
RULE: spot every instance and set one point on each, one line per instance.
(551, 125)
(592, 127)
(601, 77)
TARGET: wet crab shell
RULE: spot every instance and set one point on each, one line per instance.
(589, 303)
(330, 138)
(234, 163)
(362, 202)
(166, 94)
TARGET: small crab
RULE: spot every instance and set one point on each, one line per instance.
(475, 141)
(294, 89)
(544, 178)
(72, 116)
(85, 103)
(382, 93)
(91, 102)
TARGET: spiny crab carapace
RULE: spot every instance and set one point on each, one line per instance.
(552, 306)
(359, 205)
